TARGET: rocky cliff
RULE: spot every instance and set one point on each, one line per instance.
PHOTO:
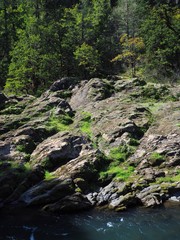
(111, 143)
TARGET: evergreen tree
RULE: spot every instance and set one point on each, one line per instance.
(36, 57)
(161, 34)
(10, 18)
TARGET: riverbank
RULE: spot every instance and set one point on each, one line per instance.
(109, 143)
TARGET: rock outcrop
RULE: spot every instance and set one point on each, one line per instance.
(111, 143)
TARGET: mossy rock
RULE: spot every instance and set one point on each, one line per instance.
(156, 159)
(157, 93)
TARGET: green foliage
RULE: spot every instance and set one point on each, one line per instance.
(41, 41)
(13, 110)
(22, 70)
(48, 41)
(85, 124)
(160, 32)
(87, 58)
(133, 142)
(117, 154)
(11, 20)
(153, 93)
(46, 163)
(132, 49)
(64, 94)
(156, 156)
(49, 176)
(121, 172)
(21, 148)
(117, 167)
(169, 178)
(128, 15)
(27, 166)
(121, 153)
(14, 167)
(26, 150)
(59, 123)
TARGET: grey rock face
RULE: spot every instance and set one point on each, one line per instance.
(73, 203)
(151, 196)
(63, 83)
(58, 150)
(47, 192)
(118, 145)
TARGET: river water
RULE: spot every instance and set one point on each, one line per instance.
(138, 224)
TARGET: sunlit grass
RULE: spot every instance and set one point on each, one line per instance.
(85, 124)
(59, 123)
(121, 172)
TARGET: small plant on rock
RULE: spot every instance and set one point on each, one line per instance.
(49, 175)
(85, 124)
(59, 123)
(156, 158)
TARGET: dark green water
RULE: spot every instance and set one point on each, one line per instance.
(138, 224)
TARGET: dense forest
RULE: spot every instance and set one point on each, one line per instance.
(44, 40)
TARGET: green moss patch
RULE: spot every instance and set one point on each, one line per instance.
(153, 93)
(15, 168)
(103, 90)
(64, 94)
(85, 124)
(49, 176)
(13, 110)
(59, 123)
(156, 158)
(121, 153)
(121, 172)
(117, 168)
(169, 179)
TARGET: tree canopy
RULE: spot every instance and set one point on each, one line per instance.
(43, 40)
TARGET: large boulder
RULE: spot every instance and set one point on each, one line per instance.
(32, 178)
(57, 150)
(74, 203)
(64, 84)
(85, 166)
(123, 201)
(91, 91)
(151, 196)
(48, 192)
